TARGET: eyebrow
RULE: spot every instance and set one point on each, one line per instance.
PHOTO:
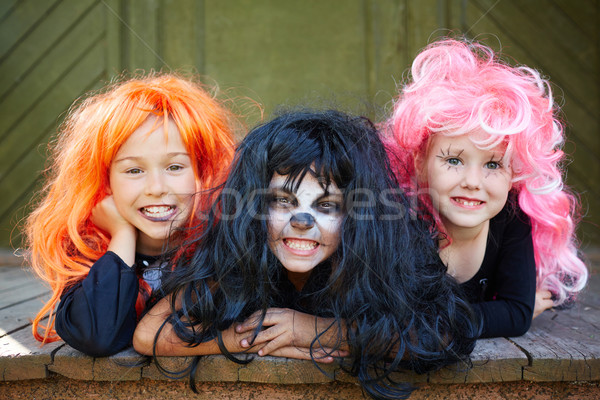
(448, 152)
(324, 195)
(135, 158)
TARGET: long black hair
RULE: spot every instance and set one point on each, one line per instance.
(385, 284)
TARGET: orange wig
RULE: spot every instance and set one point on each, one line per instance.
(64, 243)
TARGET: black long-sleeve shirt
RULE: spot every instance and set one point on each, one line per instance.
(502, 292)
(97, 316)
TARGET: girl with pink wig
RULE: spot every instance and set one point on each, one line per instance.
(480, 142)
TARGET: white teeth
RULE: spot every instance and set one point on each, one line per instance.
(301, 244)
(468, 203)
(157, 211)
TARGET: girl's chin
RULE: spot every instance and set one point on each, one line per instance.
(299, 269)
(151, 245)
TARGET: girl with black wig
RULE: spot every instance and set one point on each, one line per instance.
(310, 251)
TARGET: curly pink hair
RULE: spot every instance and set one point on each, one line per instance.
(458, 87)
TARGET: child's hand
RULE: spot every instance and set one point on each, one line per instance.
(323, 355)
(123, 235)
(106, 217)
(290, 334)
(543, 301)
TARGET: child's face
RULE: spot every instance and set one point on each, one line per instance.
(152, 182)
(304, 227)
(468, 185)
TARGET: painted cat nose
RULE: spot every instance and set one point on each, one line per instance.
(302, 221)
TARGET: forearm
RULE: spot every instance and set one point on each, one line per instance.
(504, 318)
(123, 243)
(155, 336)
(330, 333)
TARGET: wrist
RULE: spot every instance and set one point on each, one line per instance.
(123, 243)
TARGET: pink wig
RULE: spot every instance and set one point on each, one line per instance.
(458, 87)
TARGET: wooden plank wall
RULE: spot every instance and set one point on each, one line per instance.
(50, 53)
(346, 53)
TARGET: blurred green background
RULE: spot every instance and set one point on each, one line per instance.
(347, 53)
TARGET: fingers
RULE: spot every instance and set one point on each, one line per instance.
(250, 323)
(324, 356)
(279, 341)
(106, 216)
(544, 294)
(543, 301)
(273, 316)
(263, 337)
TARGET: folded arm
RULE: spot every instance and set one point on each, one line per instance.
(236, 338)
(290, 329)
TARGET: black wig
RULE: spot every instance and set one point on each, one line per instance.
(385, 283)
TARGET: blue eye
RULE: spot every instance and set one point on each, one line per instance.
(453, 161)
(493, 165)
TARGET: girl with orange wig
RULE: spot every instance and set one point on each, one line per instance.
(123, 176)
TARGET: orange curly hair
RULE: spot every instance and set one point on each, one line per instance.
(64, 243)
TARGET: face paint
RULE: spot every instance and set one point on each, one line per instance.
(469, 185)
(304, 226)
(302, 221)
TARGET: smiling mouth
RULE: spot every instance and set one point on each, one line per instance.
(300, 244)
(466, 202)
(158, 213)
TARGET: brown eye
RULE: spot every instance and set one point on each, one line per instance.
(328, 207)
(281, 202)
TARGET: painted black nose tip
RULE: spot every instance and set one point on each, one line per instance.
(302, 221)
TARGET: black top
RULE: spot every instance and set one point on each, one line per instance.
(310, 299)
(502, 292)
(97, 316)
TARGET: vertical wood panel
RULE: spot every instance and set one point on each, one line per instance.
(425, 18)
(181, 45)
(288, 52)
(141, 34)
(386, 39)
(113, 18)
